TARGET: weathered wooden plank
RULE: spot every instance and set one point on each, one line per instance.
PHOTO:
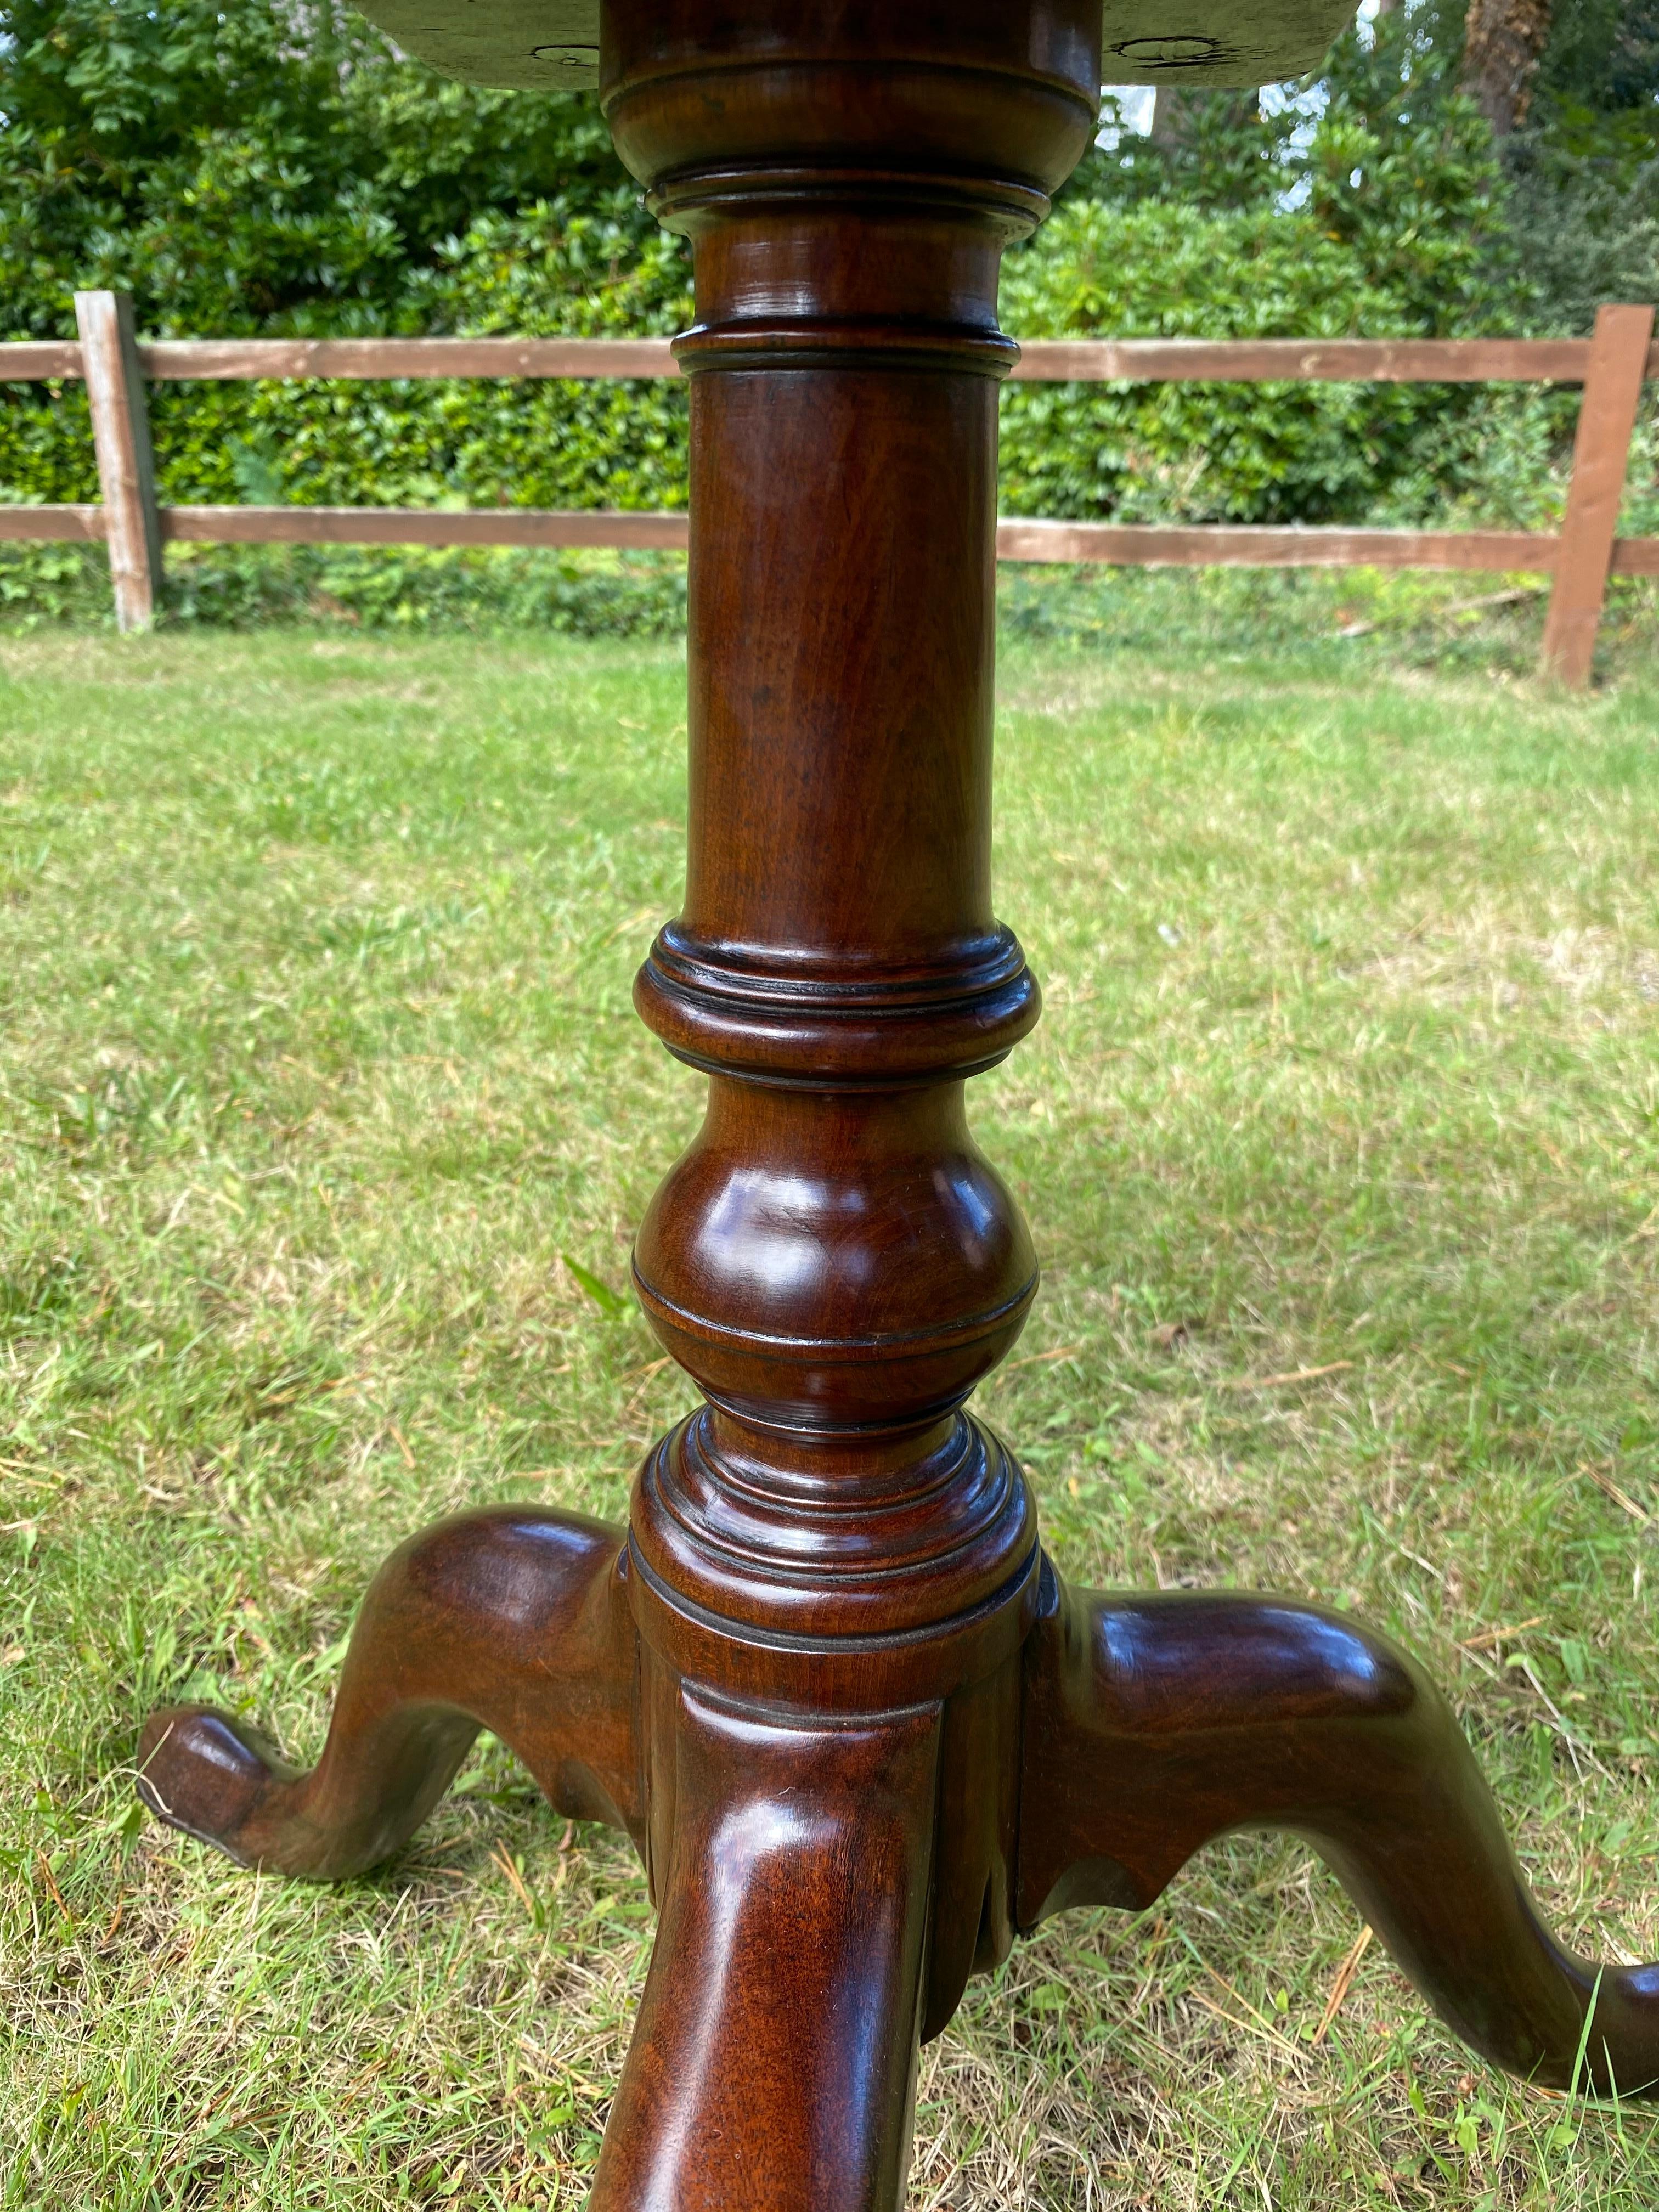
(1134, 545)
(1042, 360)
(1250, 361)
(408, 526)
(1601, 460)
(1254, 546)
(232, 360)
(45, 525)
(126, 468)
(1128, 546)
(27, 361)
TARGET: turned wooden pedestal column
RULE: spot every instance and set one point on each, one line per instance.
(826, 1678)
(834, 1569)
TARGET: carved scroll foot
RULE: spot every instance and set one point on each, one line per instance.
(511, 1620)
(1155, 1723)
(773, 2067)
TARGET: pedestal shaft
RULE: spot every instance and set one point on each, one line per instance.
(832, 1260)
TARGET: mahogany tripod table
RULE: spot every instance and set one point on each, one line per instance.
(826, 1678)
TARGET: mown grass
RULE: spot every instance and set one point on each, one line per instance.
(315, 955)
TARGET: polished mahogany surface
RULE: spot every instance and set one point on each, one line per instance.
(1156, 1722)
(826, 1678)
(510, 1620)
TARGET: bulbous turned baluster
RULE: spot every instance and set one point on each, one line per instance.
(832, 1260)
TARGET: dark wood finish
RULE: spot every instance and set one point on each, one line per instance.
(828, 1682)
(807, 1847)
(1154, 1723)
(510, 1618)
(1601, 456)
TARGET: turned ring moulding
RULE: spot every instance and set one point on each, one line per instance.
(553, 45)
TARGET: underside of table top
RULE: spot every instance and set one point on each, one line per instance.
(552, 45)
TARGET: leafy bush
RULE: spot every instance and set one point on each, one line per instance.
(260, 171)
(1583, 202)
(270, 169)
(1202, 452)
(1384, 217)
(238, 179)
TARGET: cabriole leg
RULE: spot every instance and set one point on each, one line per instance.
(1155, 1723)
(773, 2067)
(509, 1619)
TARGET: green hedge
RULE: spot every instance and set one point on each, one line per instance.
(237, 180)
(1269, 454)
(408, 443)
(1284, 452)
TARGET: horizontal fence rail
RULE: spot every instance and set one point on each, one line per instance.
(1611, 365)
(1042, 360)
(1138, 545)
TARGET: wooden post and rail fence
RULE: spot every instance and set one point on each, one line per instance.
(1611, 366)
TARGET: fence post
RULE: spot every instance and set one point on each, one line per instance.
(127, 467)
(1601, 456)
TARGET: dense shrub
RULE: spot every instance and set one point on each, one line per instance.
(1300, 451)
(1583, 200)
(1286, 453)
(271, 167)
(276, 169)
(244, 172)
(599, 443)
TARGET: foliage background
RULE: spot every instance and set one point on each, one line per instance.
(278, 170)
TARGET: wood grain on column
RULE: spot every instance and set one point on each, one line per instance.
(803, 1681)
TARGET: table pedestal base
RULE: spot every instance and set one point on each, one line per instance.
(806, 1942)
(827, 1680)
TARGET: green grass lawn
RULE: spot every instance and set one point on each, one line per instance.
(315, 955)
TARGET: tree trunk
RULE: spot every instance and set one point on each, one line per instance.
(1172, 114)
(1503, 43)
